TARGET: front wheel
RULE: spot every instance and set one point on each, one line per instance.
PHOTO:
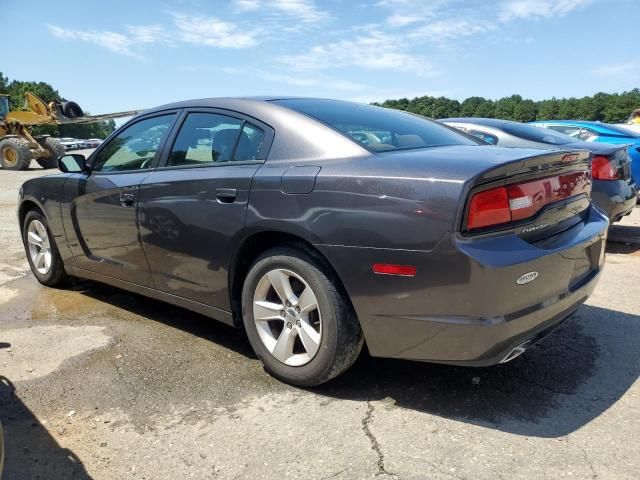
(42, 251)
(298, 322)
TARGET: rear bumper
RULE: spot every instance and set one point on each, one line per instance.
(464, 305)
(615, 197)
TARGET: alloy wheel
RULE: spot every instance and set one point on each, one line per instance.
(287, 317)
(39, 247)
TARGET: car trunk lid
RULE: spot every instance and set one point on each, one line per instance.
(536, 197)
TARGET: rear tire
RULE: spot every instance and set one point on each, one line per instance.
(336, 339)
(55, 149)
(15, 153)
(42, 251)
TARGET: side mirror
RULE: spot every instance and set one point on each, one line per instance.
(72, 163)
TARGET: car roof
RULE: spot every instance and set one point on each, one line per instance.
(321, 141)
(229, 101)
(489, 122)
(572, 122)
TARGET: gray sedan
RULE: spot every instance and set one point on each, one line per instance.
(320, 226)
(614, 188)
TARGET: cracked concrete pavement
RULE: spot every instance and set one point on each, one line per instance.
(99, 383)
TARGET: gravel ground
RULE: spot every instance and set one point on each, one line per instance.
(99, 383)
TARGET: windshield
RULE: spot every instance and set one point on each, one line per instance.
(536, 134)
(375, 128)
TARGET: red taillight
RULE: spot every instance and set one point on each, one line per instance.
(490, 207)
(390, 269)
(603, 169)
(520, 201)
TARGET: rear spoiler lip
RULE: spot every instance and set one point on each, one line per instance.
(609, 149)
(524, 166)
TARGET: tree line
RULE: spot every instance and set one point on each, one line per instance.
(604, 107)
(16, 90)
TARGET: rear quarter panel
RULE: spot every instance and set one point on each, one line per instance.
(360, 202)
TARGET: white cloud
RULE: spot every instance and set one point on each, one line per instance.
(538, 9)
(247, 5)
(400, 20)
(409, 12)
(147, 33)
(450, 29)
(196, 30)
(375, 51)
(212, 32)
(617, 69)
(115, 42)
(303, 10)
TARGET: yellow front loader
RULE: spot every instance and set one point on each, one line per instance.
(18, 147)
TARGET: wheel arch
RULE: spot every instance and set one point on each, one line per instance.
(25, 207)
(256, 244)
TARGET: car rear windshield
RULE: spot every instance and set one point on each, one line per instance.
(375, 128)
(536, 134)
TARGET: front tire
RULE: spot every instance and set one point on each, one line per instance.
(55, 149)
(42, 251)
(298, 322)
(15, 153)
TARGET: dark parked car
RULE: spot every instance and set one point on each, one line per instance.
(405, 234)
(614, 188)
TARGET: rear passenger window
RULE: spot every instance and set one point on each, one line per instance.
(207, 138)
(566, 129)
(250, 143)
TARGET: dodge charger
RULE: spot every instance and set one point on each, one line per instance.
(322, 226)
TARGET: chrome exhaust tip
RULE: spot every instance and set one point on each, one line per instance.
(516, 352)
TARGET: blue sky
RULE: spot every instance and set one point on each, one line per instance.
(119, 55)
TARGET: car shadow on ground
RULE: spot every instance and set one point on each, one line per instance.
(623, 238)
(30, 451)
(559, 385)
(171, 315)
(556, 387)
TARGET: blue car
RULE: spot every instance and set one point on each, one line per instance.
(599, 132)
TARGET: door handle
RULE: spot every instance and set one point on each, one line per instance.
(127, 199)
(226, 195)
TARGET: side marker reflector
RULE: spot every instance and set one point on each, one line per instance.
(390, 269)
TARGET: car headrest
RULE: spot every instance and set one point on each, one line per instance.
(222, 144)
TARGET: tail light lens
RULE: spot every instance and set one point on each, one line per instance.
(490, 207)
(602, 168)
(519, 201)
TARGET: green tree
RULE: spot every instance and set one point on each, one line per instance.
(17, 89)
(548, 109)
(470, 106)
(4, 84)
(525, 111)
(605, 107)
